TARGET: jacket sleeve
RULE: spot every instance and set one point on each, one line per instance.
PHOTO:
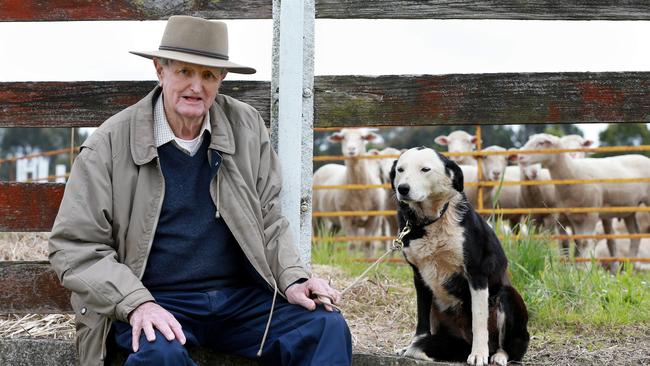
(281, 253)
(81, 245)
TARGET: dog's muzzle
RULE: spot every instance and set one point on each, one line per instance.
(404, 189)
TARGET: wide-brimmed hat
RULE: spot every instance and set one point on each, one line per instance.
(197, 41)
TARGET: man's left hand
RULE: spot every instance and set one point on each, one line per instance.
(305, 294)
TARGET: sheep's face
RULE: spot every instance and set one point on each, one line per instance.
(458, 141)
(353, 140)
(575, 142)
(386, 164)
(531, 172)
(494, 165)
(541, 141)
(421, 174)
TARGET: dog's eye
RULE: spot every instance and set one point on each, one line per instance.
(400, 170)
(425, 169)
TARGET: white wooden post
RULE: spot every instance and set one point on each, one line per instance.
(292, 112)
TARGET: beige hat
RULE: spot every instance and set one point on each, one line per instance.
(197, 41)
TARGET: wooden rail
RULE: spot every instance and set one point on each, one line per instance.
(31, 287)
(89, 103)
(29, 206)
(383, 100)
(75, 10)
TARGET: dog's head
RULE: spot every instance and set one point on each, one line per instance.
(422, 173)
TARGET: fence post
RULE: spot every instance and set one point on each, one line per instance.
(292, 112)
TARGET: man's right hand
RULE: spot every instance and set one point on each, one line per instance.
(149, 316)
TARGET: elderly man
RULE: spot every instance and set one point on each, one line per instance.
(170, 232)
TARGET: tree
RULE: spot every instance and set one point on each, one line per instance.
(560, 129)
(625, 134)
(23, 141)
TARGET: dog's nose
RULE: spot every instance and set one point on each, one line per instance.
(403, 189)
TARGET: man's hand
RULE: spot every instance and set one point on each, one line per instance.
(302, 294)
(150, 315)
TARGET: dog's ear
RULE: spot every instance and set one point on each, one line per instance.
(392, 175)
(456, 174)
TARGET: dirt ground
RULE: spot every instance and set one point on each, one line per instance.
(381, 316)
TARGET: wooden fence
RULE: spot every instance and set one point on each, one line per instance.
(339, 100)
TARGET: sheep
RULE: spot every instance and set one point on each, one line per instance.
(459, 141)
(494, 167)
(561, 166)
(383, 170)
(538, 196)
(355, 171)
(576, 142)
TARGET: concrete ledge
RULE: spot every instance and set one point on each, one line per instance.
(52, 352)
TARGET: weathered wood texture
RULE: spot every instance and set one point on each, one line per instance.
(67, 10)
(29, 206)
(364, 100)
(89, 103)
(484, 9)
(482, 99)
(31, 288)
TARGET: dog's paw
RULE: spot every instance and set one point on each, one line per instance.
(479, 357)
(413, 352)
(500, 358)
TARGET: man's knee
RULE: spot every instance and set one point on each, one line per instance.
(334, 324)
(160, 352)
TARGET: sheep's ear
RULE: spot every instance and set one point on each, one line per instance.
(373, 152)
(473, 139)
(335, 137)
(512, 157)
(587, 143)
(370, 136)
(392, 175)
(545, 142)
(442, 140)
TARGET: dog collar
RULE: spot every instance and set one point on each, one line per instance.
(442, 212)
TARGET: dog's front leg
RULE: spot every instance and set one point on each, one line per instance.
(423, 327)
(480, 350)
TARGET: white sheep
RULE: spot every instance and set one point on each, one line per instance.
(459, 141)
(355, 171)
(495, 167)
(576, 142)
(384, 166)
(561, 166)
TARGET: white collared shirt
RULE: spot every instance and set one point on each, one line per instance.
(163, 133)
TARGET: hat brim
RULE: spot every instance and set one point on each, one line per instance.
(197, 59)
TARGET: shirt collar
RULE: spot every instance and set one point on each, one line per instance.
(162, 131)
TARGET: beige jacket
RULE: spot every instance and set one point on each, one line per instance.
(103, 232)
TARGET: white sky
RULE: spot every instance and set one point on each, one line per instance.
(68, 51)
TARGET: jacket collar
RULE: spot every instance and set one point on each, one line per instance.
(223, 138)
(143, 145)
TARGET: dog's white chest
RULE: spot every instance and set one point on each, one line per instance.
(438, 255)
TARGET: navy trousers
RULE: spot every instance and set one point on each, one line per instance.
(233, 320)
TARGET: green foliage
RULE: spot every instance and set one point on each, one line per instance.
(621, 134)
(568, 294)
(525, 131)
(25, 141)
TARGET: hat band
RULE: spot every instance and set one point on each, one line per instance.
(194, 52)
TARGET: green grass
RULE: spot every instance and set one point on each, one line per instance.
(569, 294)
(557, 294)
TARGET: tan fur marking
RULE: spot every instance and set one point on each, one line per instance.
(439, 254)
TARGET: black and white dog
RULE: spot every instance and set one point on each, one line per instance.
(467, 308)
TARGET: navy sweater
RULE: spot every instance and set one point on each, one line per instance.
(192, 250)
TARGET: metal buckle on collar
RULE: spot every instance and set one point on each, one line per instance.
(398, 244)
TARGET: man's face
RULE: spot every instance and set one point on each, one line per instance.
(189, 89)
